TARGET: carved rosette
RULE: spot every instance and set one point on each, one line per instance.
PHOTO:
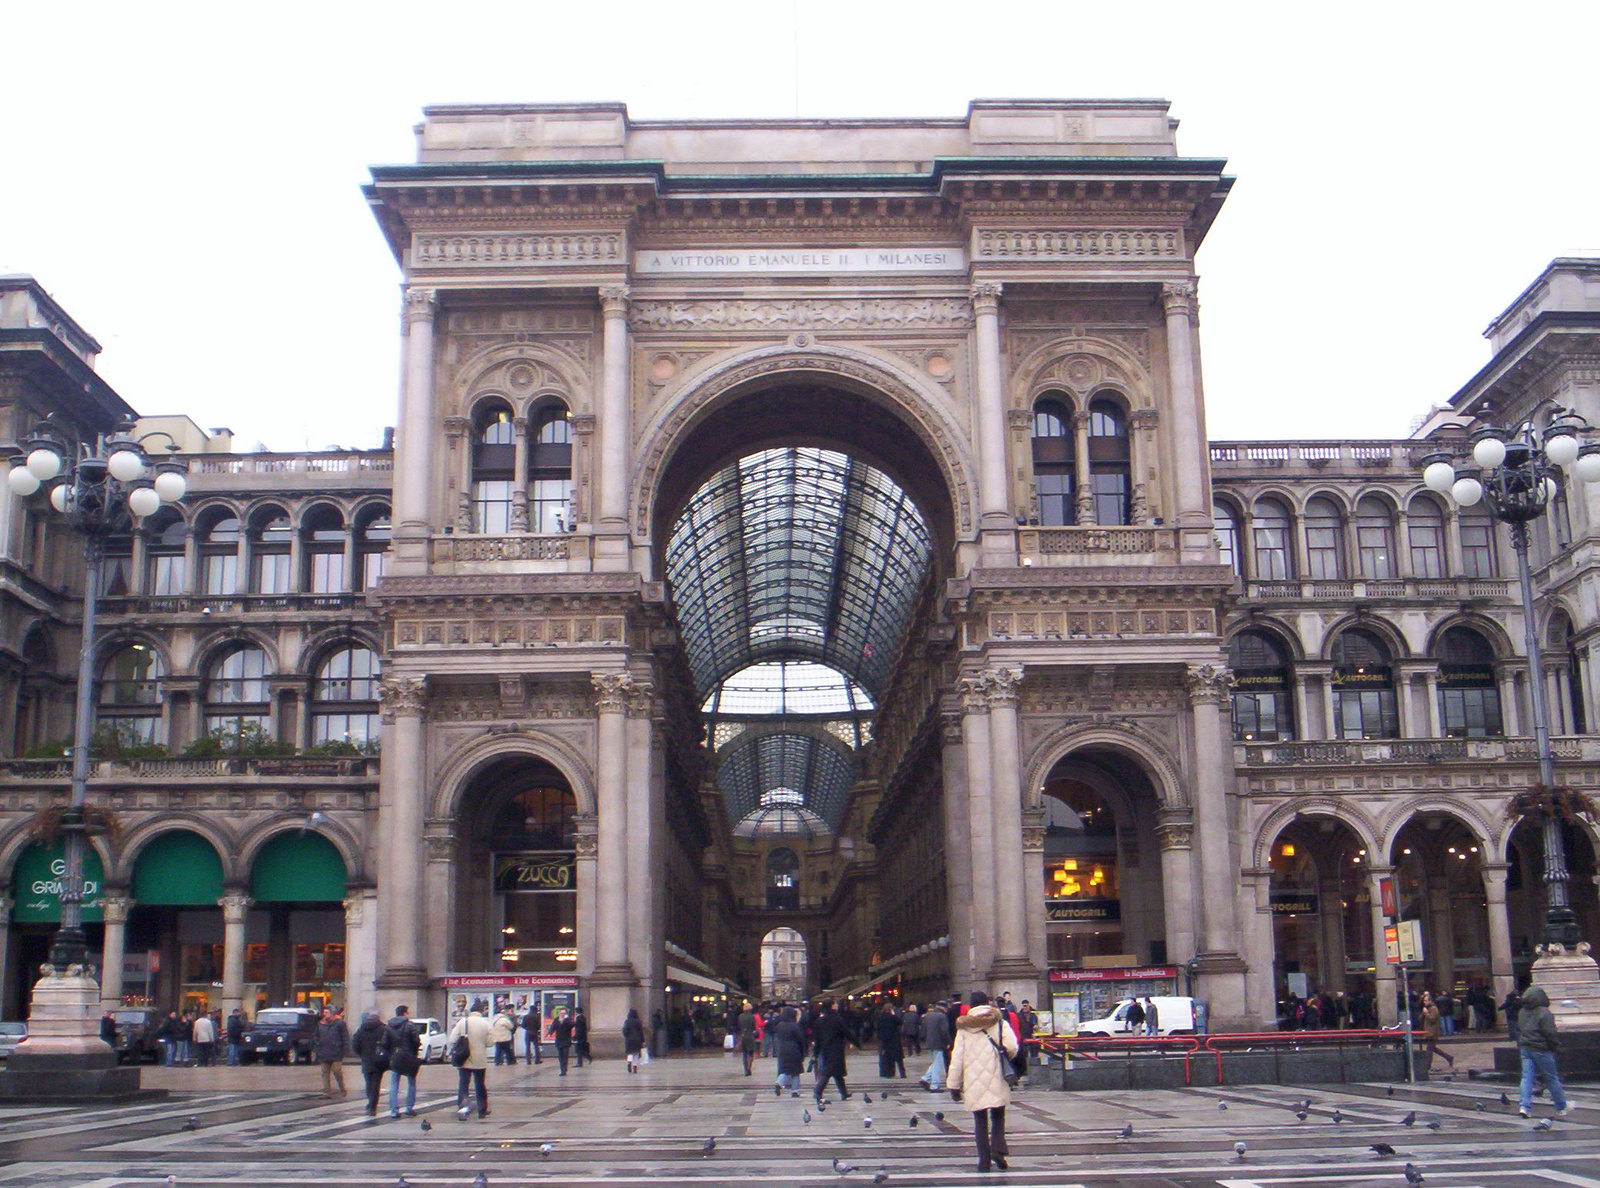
(1207, 684)
(1175, 831)
(402, 695)
(420, 304)
(614, 301)
(986, 298)
(612, 691)
(1001, 686)
(1179, 299)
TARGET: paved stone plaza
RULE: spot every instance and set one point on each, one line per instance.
(267, 1127)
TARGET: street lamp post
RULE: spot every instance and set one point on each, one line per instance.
(100, 487)
(1518, 471)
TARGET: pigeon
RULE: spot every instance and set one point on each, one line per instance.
(709, 1145)
(867, 1098)
(1302, 1115)
(938, 1115)
(913, 1121)
(546, 1148)
(1337, 1117)
(402, 1182)
(192, 1124)
(1413, 1176)
(1410, 1119)
(172, 1182)
(426, 1125)
(1390, 1090)
(844, 1169)
(806, 1114)
(1433, 1125)
(881, 1176)
(1126, 1132)
(867, 1122)
(1382, 1149)
(1222, 1105)
(480, 1181)
(1238, 1150)
(1480, 1107)
(1305, 1103)
(1545, 1125)
(1504, 1100)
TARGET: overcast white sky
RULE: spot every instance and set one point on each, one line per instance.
(185, 180)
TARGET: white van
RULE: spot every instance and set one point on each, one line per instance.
(1174, 1016)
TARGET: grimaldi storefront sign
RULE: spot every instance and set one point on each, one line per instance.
(546, 871)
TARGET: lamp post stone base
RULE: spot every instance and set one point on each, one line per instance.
(1572, 980)
(63, 1058)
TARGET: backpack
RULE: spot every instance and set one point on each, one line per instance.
(461, 1050)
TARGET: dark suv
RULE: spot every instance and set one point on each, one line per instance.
(136, 1034)
(281, 1034)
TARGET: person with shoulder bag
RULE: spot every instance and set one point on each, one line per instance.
(981, 1076)
(469, 1052)
(370, 1043)
(405, 1046)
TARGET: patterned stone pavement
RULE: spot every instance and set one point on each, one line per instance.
(260, 1126)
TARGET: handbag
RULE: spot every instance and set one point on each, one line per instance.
(729, 1042)
(461, 1050)
(1006, 1069)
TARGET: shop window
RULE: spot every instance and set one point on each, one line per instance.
(1053, 462)
(1363, 687)
(1262, 691)
(1324, 540)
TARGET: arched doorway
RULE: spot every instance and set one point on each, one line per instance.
(1320, 902)
(173, 949)
(1527, 896)
(1438, 862)
(784, 967)
(36, 914)
(516, 871)
(298, 883)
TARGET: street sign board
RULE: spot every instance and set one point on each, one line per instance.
(1410, 940)
(1391, 944)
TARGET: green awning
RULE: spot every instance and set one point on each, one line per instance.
(178, 869)
(36, 885)
(298, 868)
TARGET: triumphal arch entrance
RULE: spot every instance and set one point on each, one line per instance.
(803, 530)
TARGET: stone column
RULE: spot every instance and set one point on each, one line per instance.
(611, 700)
(957, 849)
(980, 798)
(1302, 710)
(458, 449)
(1505, 679)
(1193, 485)
(1384, 976)
(616, 434)
(1014, 900)
(1330, 916)
(1440, 936)
(586, 846)
(1258, 939)
(1033, 828)
(1430, 690)
(1175, 834)
(1141, 440)
(413, 485)
(989, 423)
(519, 474)
(1494, 893)
(444, 934)
(643, 865)
(359, 992)
(1220, 970)
(1082, 486)
(115, 909)
(401, 797)
(235, 908)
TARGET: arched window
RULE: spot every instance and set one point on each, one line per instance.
(1375, 538)
(550, 472)
(165, 575)
(1425, 526)
(1273, 557)
(1263, 691)
(493, 469)
(1108, 460)
(1478, 558)
(1054, 480)
(1363, 687)
(1469, 701)
(1226, 525)
(783, 879)
(1324, 540)
(372, 544)
(219, 556)
(271, 538)
(322, 537)
(128, 706)
(344, 698)
(236, 696)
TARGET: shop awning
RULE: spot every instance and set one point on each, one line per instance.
(678, 974)
(853, 988)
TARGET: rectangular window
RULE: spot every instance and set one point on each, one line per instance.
(1470, 713)
(1055, 499)
(371, 569)
(166, 575)
(550, 511)
(272, 573)
(1272, 554)
(356, 728)
(221, 573)
(1110, 498)
(1477, 548)
(1367, 713)
(1322, 554)
(327, 573)
(491, 507)
(1427, 550)
(1261, 716)
(236, 723)
(1377, 558)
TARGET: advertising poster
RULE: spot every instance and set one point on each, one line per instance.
(1064, 1014)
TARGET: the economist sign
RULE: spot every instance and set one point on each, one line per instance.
(501, 981)
(1125, 974)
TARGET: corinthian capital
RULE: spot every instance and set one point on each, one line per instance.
(986, 297)
(1206, 683)
(974, 695)
(402, 695)
(421, 304)
(612, 691)
(614, 301)
(1179, 298)
(1001, 685)
(641, 699)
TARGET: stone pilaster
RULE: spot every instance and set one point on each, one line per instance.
(235, 909)
(401, 797)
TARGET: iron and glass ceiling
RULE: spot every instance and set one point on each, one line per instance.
(793, 555)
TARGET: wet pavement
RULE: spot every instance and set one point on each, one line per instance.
(268, 1126)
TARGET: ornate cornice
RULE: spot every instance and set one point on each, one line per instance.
(949, 313)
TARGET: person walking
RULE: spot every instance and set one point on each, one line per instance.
(370, 1043)
(1135, 1018)
(632, 1039)
(980, 1060)
(472, 1073)
(186, 1038)
(405, 1047)
(1430, 1031)
(580, 1037)
(910, 1031)
(832, 1033)
(1537, 1044)
(1512, 1009)
(561, 1032)
(502, 1031)
(935, 1040)
(891, 1055)
(330, 1048)
(108, 1029)
(789, 1046)
(1152, 1018)
(167, 1036)
(205, 1040)
(531, 1026)
(746, 1024)
(236, 1025)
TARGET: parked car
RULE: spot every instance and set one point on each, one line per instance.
(136, 1035)
(281, 1035)
(1174, 1016)
(435, 1040)
(11, 1034)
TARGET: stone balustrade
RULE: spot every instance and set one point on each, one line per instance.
(1427, 751)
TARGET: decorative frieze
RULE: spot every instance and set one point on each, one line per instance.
(943, 313)
(1055, 623)
(478, 251)
(1131, 243)
(552, 631)
(541, 320)
(521, 547)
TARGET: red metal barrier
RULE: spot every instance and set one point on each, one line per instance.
(1087, 1046)
(1294, 1039)
(1090, 1047)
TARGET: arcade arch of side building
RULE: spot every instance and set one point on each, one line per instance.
(782, 556)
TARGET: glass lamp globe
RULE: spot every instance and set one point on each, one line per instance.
(1548, 489)
(1562, 449)
(60, 497)
(22, 481)
(1489, 452)
(1588, 467)
(1439, 476)
(144, 501)
(45, 464)
(1467, 491)
(170, 485)
(125, 466)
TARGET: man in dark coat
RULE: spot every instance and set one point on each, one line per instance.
(580, 1037)
(333, 1041)
(789, 1045)
(936, 1041)
(235, 1032)
(530, 1027)
(371, 1044)
(746, 1023)
(405, 1046)
(561, 1031)
(891, 1055)
(832, 1033)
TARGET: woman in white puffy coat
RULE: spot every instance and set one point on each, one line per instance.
(979, 1060)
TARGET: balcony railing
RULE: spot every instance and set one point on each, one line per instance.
(178, 604)
(281, 767)
(1360, 752)
(525, 547)
(1314, 455)
(1092, 541)
(339, 462)
(1424, 589)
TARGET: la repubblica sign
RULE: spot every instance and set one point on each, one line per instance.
(799, 260)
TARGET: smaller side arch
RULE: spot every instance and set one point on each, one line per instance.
(332, 829)
(1469, 814)
(142, 834)
(1353, 816)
